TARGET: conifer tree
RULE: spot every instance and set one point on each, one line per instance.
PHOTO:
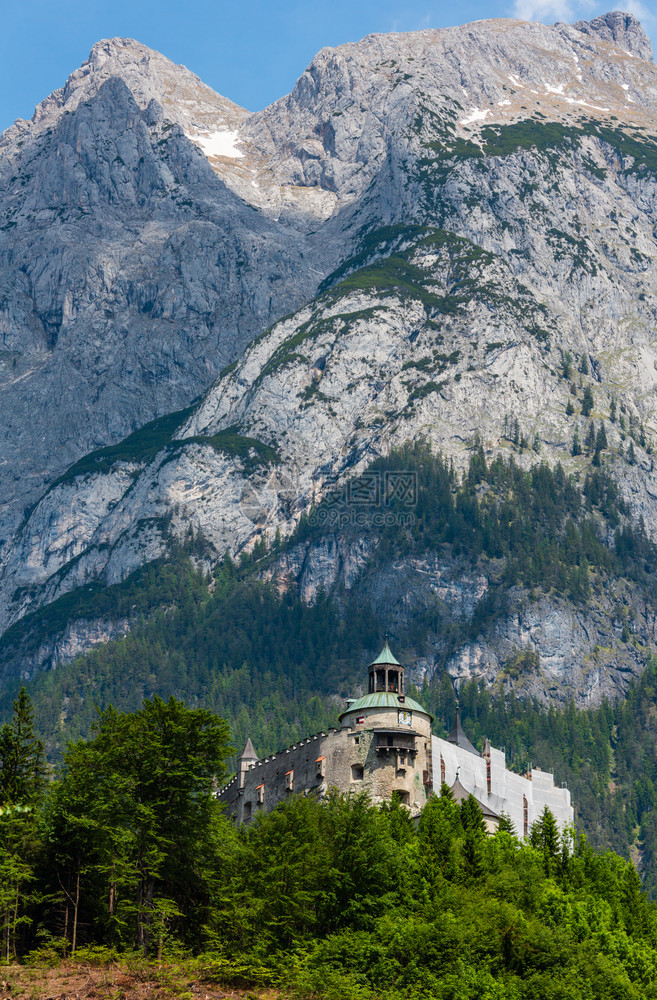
(587, 402)
(22, 755)
(576, 447)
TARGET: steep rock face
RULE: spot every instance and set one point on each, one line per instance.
(621, 29)
(129, 273)
(587, 651)
(496, 219)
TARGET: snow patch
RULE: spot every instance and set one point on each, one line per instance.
(571, 100)
(515, 81)
(555, 90)
(625, 86)
(474, 116)
(503, 104)
(218, 144)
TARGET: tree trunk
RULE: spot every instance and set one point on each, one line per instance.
(75, 914)
(65, 929)
(140, 916)
(112, 891)
(13, 930)
(150, 892)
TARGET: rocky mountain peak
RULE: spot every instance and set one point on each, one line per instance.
(149, 76)
(621, 28)
(457, 225)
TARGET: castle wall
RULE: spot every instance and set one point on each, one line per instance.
(353, 758)
(299, 768)
(385, 746)
(522, 798)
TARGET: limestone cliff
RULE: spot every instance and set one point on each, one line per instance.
(481, 203)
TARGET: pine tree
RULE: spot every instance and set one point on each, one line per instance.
(22, 782)
(133, 810)
(22, 755)
(576, 448)
(601, 438)
(587, 402)
(545, 836)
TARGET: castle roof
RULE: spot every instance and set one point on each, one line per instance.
(385, 699)
(386, 657)
(458, 737)
(461, 794)
(248, 753)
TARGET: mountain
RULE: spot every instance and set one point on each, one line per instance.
(130, 274)
(461, 226)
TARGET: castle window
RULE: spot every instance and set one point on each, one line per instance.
(525, 817)
(246, 812)
(260, 794)
(320, 765)
(357, 772)
(356, 740)
(289, 781)
(442, 770)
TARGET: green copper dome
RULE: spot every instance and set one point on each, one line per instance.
(386, 657)
(385, 699)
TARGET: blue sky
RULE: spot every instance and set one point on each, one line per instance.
(252, 51)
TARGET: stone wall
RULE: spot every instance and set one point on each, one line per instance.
(376, 755)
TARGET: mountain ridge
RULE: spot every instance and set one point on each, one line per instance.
(485, 273)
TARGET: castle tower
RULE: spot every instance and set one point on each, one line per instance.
(389, 737)
(386, 673)
(247, 757)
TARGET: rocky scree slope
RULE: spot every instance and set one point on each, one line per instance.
(495, 190)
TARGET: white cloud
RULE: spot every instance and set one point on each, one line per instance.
(543, 10)
(551, 10)
(572, 10)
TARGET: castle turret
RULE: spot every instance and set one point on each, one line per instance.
(247, 757)
(458, 737)
(386, 673)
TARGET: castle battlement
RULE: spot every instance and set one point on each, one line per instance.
(385, 746)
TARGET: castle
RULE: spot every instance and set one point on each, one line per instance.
(385, 746)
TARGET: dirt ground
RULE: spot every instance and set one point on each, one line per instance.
(70, 981)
